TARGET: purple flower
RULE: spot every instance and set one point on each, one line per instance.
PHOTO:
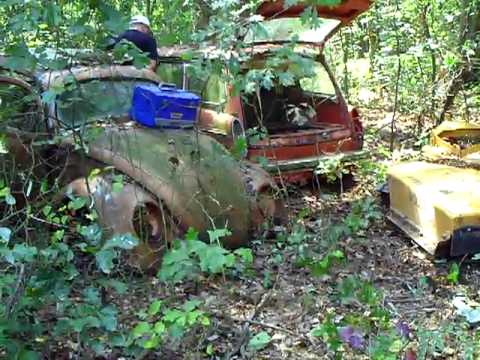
(352, 337)
(403, 329)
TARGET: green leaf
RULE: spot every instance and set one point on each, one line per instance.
(125, 241)
(172, 315)
(141, 329)
(92, 233)
(105, 260)
(259, 341)
(28, 355)
(20, 58)
(159, 328)
(453, 274)
(217, 234)
(52, 14)
(209, 351)
(22, 252)
(108, 318)
(286, 79)
(10, 200)
(47, 209)
(3, 144)
(337, 254)
(191, 305)
(205, 321)
(87, 322)
(77, 203)
(120, 287)
(92, 296)
(213, 259)
(154, 307)
(5, 234)
(191, 235)
(152, 343)
(117, 187)
(176, 256)
(245, 254)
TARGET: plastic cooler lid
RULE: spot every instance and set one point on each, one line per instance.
(171, 92)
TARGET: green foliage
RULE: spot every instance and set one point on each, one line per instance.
(453, 274)
(239, 149)
(364, 213)
(259, 341)
(328, 331)
(422, 39)
(333, 168)
(386, 347)
(352, 288)
(189, 258)
(322, 267)
(161, 322)
(370, 171)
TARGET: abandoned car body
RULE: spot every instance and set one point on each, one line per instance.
(437, 203)
(307, 120)
(179, 178)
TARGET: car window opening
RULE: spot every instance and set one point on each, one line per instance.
(310, 103)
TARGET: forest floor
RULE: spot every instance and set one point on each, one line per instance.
(282, 298)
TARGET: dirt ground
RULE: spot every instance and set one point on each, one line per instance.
(283, 299)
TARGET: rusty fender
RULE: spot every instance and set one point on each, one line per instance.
(220, 123)
(117, 215)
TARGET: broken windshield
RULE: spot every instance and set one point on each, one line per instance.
(95, 100)
(291, 29)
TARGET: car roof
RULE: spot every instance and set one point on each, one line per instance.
(48, 79)
(184, 53)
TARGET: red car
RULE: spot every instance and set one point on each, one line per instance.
(295, 124)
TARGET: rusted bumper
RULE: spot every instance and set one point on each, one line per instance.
(310, 163)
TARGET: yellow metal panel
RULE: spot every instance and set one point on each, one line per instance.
(447, 138)
(433, 199)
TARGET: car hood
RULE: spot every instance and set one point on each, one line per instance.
(279, 18)
(345, 11)
(197, 179)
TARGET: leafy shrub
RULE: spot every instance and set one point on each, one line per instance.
(189, 258)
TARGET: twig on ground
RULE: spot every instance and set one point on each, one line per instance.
(245, 332)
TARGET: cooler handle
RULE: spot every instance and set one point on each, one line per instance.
(168, 86)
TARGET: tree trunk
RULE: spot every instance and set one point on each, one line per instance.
(466, 72)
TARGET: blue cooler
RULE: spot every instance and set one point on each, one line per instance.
(164, 106)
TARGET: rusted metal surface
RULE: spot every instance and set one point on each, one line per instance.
(117, 212)
(311, 163)
(192, 175)
(346, 11)
(336, 128)
(55, 78)
(220, 123)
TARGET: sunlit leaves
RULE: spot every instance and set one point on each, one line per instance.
(7, 196)
(167, 321)
(259, 341)
(106, 256)
(191, 257)
(52, 15)
(19, 57)
(5, 234)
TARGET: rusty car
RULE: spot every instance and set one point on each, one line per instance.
(306, 121)
(175, 179)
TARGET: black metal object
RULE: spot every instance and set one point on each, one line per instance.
(465, 240)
